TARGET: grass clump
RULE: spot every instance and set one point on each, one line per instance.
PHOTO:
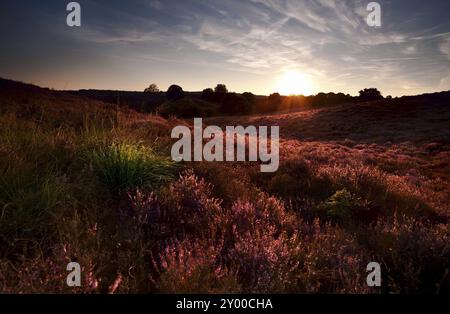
(27, 201)
(123, 167)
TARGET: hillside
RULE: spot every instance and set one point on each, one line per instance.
(82, 180)
(408, 138)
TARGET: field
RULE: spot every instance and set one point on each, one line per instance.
(89, 182)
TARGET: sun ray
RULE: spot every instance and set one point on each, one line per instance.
(294, 83)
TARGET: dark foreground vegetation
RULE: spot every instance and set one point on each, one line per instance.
(82, 180)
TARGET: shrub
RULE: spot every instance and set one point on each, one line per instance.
(369, 94)
(186, 207)
(262, 245)
(234, 104)
(344, 207)
(385, 194)
(230, 182)
(123, 167)
(266, 213)
(415, 255)
(188, 108)
(273, 251)
(193, 266)
(330, 261)
(264, 262)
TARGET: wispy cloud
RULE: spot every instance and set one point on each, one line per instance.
(328, 40)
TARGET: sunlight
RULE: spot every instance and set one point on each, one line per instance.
(294, 83)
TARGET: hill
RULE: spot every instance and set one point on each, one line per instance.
(87, 181)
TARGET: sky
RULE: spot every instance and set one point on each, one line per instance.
(259, 46)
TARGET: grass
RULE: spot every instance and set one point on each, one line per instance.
(27, 201)
(82, 181)
(123, 167)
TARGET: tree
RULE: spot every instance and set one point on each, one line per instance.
(249, 96)
(369, 94)
(208, 94)
(153, 88)
(221, 89)
(274, 102)
(234, 104)
(174, 93)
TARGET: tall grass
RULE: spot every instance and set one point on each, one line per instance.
(27, 202)
(123, 167)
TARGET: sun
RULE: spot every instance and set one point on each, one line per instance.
(294, 83)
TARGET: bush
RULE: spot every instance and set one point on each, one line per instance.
(124, 167)
(186, 207)
(369, 94)
(188, 108)
(344, 207)
(193, 266)
(385, 193)
(234, 104)
(265, 262)
(263, 245)
(330, 261)
(415, 255)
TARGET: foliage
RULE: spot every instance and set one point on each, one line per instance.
(221, 89)
(174, 93)
(78, 181)
(188, 108)
(153, 88)
(369, 94)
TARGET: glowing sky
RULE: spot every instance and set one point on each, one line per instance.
(247, 45)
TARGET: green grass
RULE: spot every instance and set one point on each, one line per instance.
(123, 167)
(27, 202)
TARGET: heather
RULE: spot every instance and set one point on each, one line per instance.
(85, 181)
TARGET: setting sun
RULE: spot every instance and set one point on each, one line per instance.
(294, 83)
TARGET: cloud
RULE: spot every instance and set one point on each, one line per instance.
(323, 38)
(328, 40)
(410, 50)
(445, 46)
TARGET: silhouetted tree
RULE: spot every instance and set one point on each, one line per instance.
(251, 102)
(153, 88)
(208, 94)
(249, 96)
(234, 104)
(221, 89)
(274, 102)
(188, 108)
(328, 99)
(174, 92)
(369, 94)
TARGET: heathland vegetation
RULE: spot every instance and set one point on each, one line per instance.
(90, 181)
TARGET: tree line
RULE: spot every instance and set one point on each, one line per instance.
(220, 101)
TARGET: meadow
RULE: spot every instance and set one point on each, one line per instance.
(90, 182)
